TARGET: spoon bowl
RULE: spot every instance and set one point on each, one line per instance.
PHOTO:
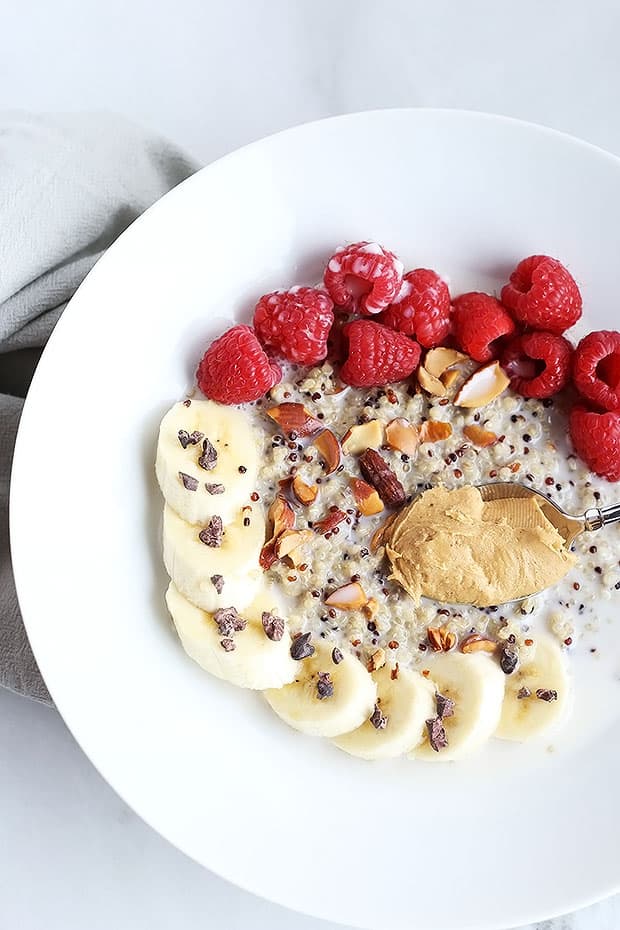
(569, 526)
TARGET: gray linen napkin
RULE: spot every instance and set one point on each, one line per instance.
(69, 185)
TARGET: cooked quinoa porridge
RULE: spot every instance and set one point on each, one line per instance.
(532, 447)
(335, 473)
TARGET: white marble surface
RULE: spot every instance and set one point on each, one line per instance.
(213, 75)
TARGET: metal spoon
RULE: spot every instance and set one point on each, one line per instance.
(568, 525)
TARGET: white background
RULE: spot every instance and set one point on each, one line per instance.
(212, 76)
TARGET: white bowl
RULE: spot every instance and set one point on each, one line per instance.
(514, 835)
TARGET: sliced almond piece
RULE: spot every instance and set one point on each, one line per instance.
(441, 639)
(430, 383)
(268, 556)
(483, 386)
(280, 517)
(434, 638)
(329, 448)
(290, 540)
(479, 436)
(449, 377)
(305, 493)
(435, 431)
(294, 418)
(349, 597)
(366, 497)
(328, 523)
(362, 436)
(370, 609)
(440, 359)
(377, 660)
(477, 643)
(402, 435)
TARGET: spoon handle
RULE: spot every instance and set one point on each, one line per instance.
(598, 517)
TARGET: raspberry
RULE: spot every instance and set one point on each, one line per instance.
(478, 321)
(377, 355)
(596, 438)
(421, 308)
(235, 368)
(543, 294)
(538, 364)
(296, 323)
(363, 276)
(596, 368)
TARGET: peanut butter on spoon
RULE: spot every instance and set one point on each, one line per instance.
(453, 546)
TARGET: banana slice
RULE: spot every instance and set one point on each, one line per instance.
(196, 567)
(406, 702)
(256, 661)
(197, 493)
(544, 685)
(476, 685)
(352, 701)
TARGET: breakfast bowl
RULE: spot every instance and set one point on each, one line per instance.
(516, 832)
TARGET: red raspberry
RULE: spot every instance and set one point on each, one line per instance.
(363, 276)
(421, 308)
(543, 294)
(235, 368)
(478, 320)
(296, 323)
(377, 355)
(538, 364)
(596, 438)
(596, 368)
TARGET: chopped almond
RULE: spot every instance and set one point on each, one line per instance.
(483, 386)
(295, 418)
(349, 597)
(402, 435)
(434, 638)
(305, 493)
(440, 359)
(370, 609)
(268, 556)
(327, 524)
(376, 661)
(441, 639)
(477, 643)
(290, 540)
(479, 436)
(280, 517)
(329, 448)
(430, 383)
(362, 436)
(366, 497)
(449, 377)
(435, 431)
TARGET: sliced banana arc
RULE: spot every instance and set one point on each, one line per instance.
(192, 564)
(231, 476)
(537, 692)
(351, 703)
(476, 685)
(405, 702)
(255, 662)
